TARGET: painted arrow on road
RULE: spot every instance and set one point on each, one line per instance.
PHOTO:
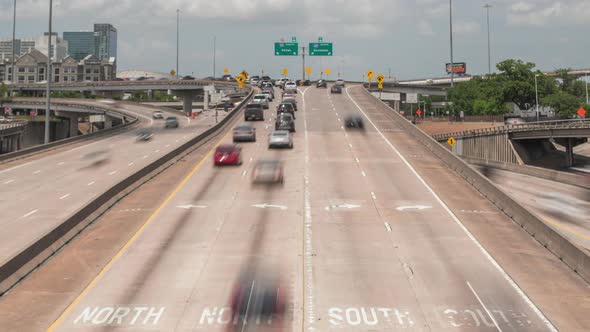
(270, 206)
(414, 207)
(342, 206)
(190, 206)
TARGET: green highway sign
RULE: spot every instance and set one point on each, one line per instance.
(320, 49)
(286, 48)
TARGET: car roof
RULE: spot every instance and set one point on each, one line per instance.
(227, 147)
(280, 132)
(243, 127)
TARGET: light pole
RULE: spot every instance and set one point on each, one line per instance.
(214, 54)
(14, 43)
(487, 7)
(451, 40)
(48, 109)
(537, 96)
(177, 38)
(587, 89)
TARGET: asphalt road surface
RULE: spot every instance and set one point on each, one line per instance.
(355, 240)
(38, 195)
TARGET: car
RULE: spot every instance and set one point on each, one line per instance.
(158, 115)
(171, 122)
(279, 83)
(340, 82)
(286, 108)
(290, 86)
(285, 121)
(267, 84)
(188, 78)
(280, 139)
(261, 99)
(321, 84)
(253, 81)
(268, 172)
(244, 133)
(227, 154)
(354, 121)
(269, 90)
(265, 78)
(144, 135)
(303, 83)
(269, 95)
(254, 111)
(227, 77)
(291, 100)
(336, 89)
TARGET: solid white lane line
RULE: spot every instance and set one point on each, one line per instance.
(9, 182)
(37, 172)
(131, 163)
(486, 254)
(484, 306)
(64, 196)
(113, 173)
(388, 227)
(30, 213)
(91, 183)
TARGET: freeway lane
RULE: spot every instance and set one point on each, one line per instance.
(356, 238)
(40, 194)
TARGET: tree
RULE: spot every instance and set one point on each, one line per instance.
(564, 104)
(3, 91)
(518, 82)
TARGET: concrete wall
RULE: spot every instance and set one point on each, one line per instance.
(494, 147)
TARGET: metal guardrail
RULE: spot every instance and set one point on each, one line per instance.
(572, 255)
(19, 266)
(120, 84)
(543, 125)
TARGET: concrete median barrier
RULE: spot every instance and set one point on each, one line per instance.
(23, 263)
(572, 255)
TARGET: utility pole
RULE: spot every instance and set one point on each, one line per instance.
(177, 38)
(303, 68)
(487, 7)
(14, 44)
(537, 96)
(451, 40)
(587, 88)
(389, 75)
(214, 54)
(48, 109)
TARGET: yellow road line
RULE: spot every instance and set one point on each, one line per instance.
(135, 236)
(567, 229)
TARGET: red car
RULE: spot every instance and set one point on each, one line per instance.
(228, 154)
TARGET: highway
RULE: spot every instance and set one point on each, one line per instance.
(39, 194)
(361, 237)
(564, 207)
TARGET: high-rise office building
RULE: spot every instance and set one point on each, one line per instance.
(22, 47)
(106, 41)
(81, 43)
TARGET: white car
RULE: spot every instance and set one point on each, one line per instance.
(280, 139)
(261, 99)
(340, 82)
(290, 85)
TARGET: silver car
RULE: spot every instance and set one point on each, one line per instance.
(268, 172)
(244, 133)
(261, 99)
(280, 139)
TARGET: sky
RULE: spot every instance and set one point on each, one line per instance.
(407, 38)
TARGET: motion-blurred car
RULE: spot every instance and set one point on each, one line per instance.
(244, 133)
(291, 100)
(286, 108)
(285, 121)
(254, 112)
(171, 122)
(227, 154)
(336, 89)
(261, 99)
(354, 121)
(321, 84)
(267, 172)
(280, 139)
(158, 115)
(340, 82)
(144, 135)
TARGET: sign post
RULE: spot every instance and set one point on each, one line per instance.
(582, 112)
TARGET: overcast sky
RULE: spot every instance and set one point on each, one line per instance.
(410, 37)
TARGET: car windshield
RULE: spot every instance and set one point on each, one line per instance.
(226, 148)
(243, 128)
(260, 97)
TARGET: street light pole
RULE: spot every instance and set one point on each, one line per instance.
(587, 89)
(177, 38)
(537, 96)
(451, 40)
(214, 54)
(14, 44)
(48, 74)
(487, 7)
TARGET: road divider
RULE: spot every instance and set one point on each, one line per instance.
(20, 265)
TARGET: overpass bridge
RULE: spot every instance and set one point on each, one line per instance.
(523, 143)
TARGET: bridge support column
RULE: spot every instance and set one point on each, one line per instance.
(108, 122)
(187, 99)
(73, 119)
(569, 152)
(206, 100)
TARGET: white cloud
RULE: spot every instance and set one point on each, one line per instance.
(463, 27)
(548, 12)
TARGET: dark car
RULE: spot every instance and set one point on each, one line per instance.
(292, 101)
(286, 108)
(144, 135)
(336, 89)
(188, 78)
(171, 122)
(228, 154)
(354, 121)
(254, 112)
(321, 84)
(227, 78)
(285, 121)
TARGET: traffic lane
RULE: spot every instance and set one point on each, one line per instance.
(73, 183)
(564, 207)
(430, 254)
(184, 250)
